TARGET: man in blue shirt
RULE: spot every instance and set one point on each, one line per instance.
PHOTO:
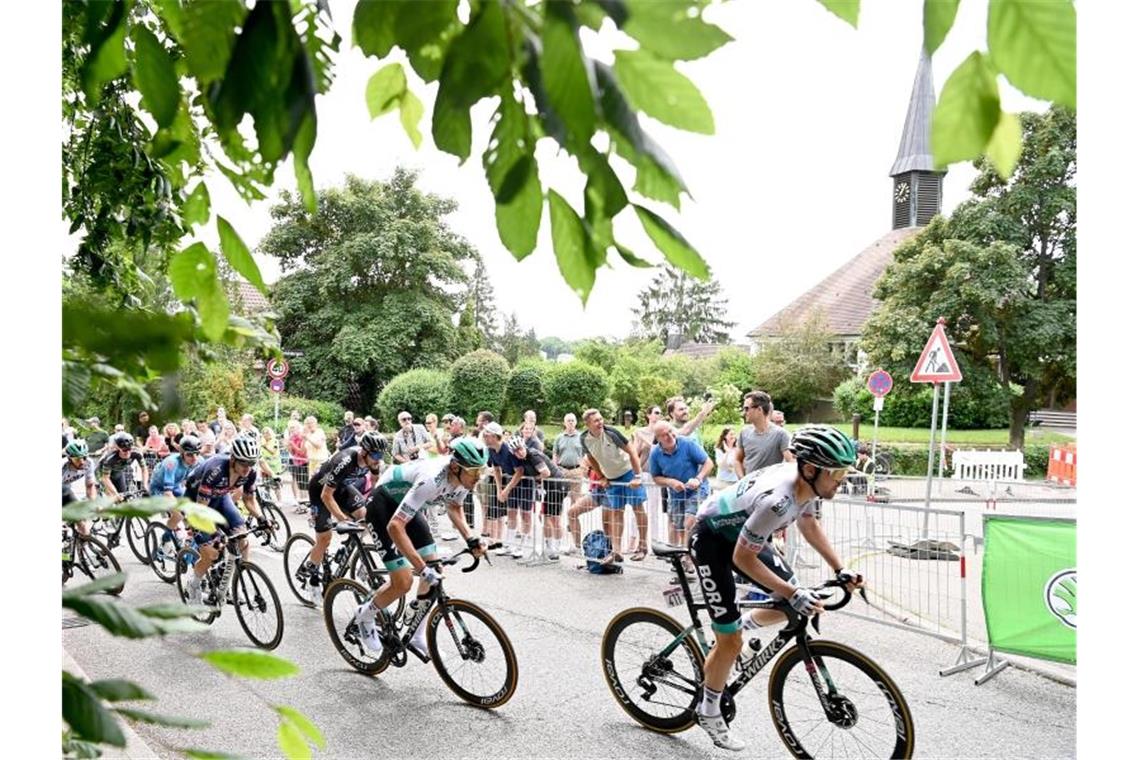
(681, 466)
(502, 462)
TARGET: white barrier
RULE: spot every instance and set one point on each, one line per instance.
(989, 465)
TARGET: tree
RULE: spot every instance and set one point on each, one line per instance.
(468, 338)
(801, 367)
(479, 383)
(552, 346)
(1002, 271)
(514, 344)
(485, 308)
(676, 303)
(374, 281)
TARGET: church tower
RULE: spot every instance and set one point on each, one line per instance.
(916, 190)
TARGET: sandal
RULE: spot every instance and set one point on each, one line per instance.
(638, 555)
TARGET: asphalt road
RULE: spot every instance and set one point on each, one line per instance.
(555, 616)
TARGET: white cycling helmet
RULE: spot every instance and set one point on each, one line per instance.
(245, 449)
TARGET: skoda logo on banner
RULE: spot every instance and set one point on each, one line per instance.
(1061, 596)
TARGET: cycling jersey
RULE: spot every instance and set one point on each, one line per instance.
(340, 469)
(211, 479)
(170, 475)
(115, 464)
(342, 474)
(759, 505)
(417, 484)
(86, 472)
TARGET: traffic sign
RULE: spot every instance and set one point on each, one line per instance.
(880, 383)
(278, 370)
(937, 363)
(277, 385)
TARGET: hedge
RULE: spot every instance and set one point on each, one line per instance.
(327, 413)
(418, 391)
(525, 390)
(479, 383)
(575, 387)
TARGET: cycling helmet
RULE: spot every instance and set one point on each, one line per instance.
(245, 449)
(76, 448)
(515, 442)
(372, 441)
(823, 446)
(465, 453)
(191, 445)
(122, 441)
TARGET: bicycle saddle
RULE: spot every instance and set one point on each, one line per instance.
(662, 549)
(349, 527)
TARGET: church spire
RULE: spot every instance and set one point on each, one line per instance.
(917, 192)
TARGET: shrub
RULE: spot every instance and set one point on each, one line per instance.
(418, 391)
(526, 390)
(328, 414)
(575, 387)
(654, 389)
(979, 404)
(479, 382)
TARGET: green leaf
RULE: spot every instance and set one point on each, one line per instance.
(107, 58)
(967, 112)
(96, 586)
(564, 73)
(155, 78)
(1034, 44)
(214, 309)
(302, 149)
(372, 26)
(937, 20)
(190, 271)
(238, 255)
(200, 516)
(305, 725)
(250, 664)
(848, 10)
(451, 127)
(196, 207)
(118, 690)
(206, 754)
(291, 742)
(672, 244)
(126, 622)
(161, 720)
(425, 30)
(411, 111)
(666, 28)
(632, 258)
(385, 89)
(83, 510)
(1005, 146)
(518, 220)
(208, 36)
(85, 713)
(664, 93)
(569, 238)
(167, 611)
(604, 192)
(475, 65)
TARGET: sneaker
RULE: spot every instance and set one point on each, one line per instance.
(501, 551)
(316, 590)
(719, 732)
(448, 535)
(517, 552)
(365, 619)
(551, 550)
(168, 548)
(573, 551)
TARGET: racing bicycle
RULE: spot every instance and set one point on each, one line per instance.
(89, 556)
(353, 558)
(113, 529)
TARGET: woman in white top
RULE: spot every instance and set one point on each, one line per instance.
(725, 456)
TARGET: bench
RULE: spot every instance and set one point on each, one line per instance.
(989, 465)
(1052, 418)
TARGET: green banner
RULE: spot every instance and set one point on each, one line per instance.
(1029, 586)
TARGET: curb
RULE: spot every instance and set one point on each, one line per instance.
(136, 748)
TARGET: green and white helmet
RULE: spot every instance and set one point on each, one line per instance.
(465, 453)
(823, 446)
(76, 448)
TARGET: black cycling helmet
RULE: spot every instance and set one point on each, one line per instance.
(191, 445)
(372, 441)
(245, 449)
(122, 440)
(823, 446)
(465, 453)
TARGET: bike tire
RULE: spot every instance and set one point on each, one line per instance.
(297, 550)
(95, 560)
(278, 530)
(254, 594)
(136, 536)
(186, 560)
(468, 649)
(625, 662)
(164, 566)
(897, 739)
(342, 597)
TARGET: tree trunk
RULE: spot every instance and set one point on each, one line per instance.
(1019, 409)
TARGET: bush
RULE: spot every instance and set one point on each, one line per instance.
(735, 367)
(204, 386)
(418, 391)
(479, 382)
(327, 413)
(575, 387)
(526, 390)
(654, 389)
(979, 404)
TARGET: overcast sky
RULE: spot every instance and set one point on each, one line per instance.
(793, 184)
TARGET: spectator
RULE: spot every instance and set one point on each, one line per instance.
(245, 426)
(298, 462)
(216, 425)
(410, 441)
(155, 444)
(97, 438)
(683, 467)
(611, 454)
(371, 424)
(142, 429)
(68, 432)
(501, 463)
(594, 497)
(568, 452)
(295, 415)
(678, 412)
(530, 436)
(547, 483)
(225, 438)
(726, 458)
(485, 489)
(431, 426)
(316, 446)
(270, 462)
(208, 439)
(532, 418)
(172, 435)
(627, 424)
(760, 444)
(776, 418)
(349, 432)
(455, 428)
(658, 496)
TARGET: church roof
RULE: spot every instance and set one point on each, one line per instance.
(844, 296)
(915, 153)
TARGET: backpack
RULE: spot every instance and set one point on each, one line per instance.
(595, 546)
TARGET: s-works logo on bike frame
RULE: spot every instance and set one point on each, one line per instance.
(1061, 596)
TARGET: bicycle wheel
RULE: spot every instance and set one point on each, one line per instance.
(342, 597)
(472, 655)
(95, 560)
(882, 464)
(867, 714)
(277, 527)
(297, 550)
(136, 537)
(659, 691)
(185, 567)
(163, 561)
(258, 607)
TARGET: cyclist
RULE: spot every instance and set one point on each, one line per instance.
(115, 466)
(734, 532)
(169, 479)
(395, 513)
(77, 466)
(211, 483)
(334, 492)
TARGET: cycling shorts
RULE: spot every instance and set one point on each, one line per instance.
(347, 497)
(381, 506)
(234, 520)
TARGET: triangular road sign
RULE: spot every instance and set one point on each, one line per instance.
(937, 363)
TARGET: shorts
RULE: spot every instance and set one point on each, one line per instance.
(234, 520)
(347, 497)
(556, 493)
(380, 508)
(712, 554)
(621, 495)
(68, 495)
(598, 495)
(122, 480)
(682, 504)
(522, 496)
(492, 510)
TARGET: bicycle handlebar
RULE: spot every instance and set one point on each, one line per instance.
(470, 567)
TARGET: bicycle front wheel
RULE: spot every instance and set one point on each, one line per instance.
(342, 598)
(866, 714)
(258, 607)
(136, 538)
(187, 557)
(297, 551)
(657, 689)
(95, 561)
(473, 655)
(162, 553)
(278, 530)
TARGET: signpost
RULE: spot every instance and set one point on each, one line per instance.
(277, 370)
(935, 365)
(879, 383)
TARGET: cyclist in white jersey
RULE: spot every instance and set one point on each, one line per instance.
(734, 532)
(395, 512)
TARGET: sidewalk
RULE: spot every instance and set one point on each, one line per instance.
(136, 748)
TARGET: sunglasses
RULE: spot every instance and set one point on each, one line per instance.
(836, 473)
(357, 424)
(375, 456)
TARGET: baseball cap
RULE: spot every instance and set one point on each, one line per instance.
(493, 428)
(92, 420)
